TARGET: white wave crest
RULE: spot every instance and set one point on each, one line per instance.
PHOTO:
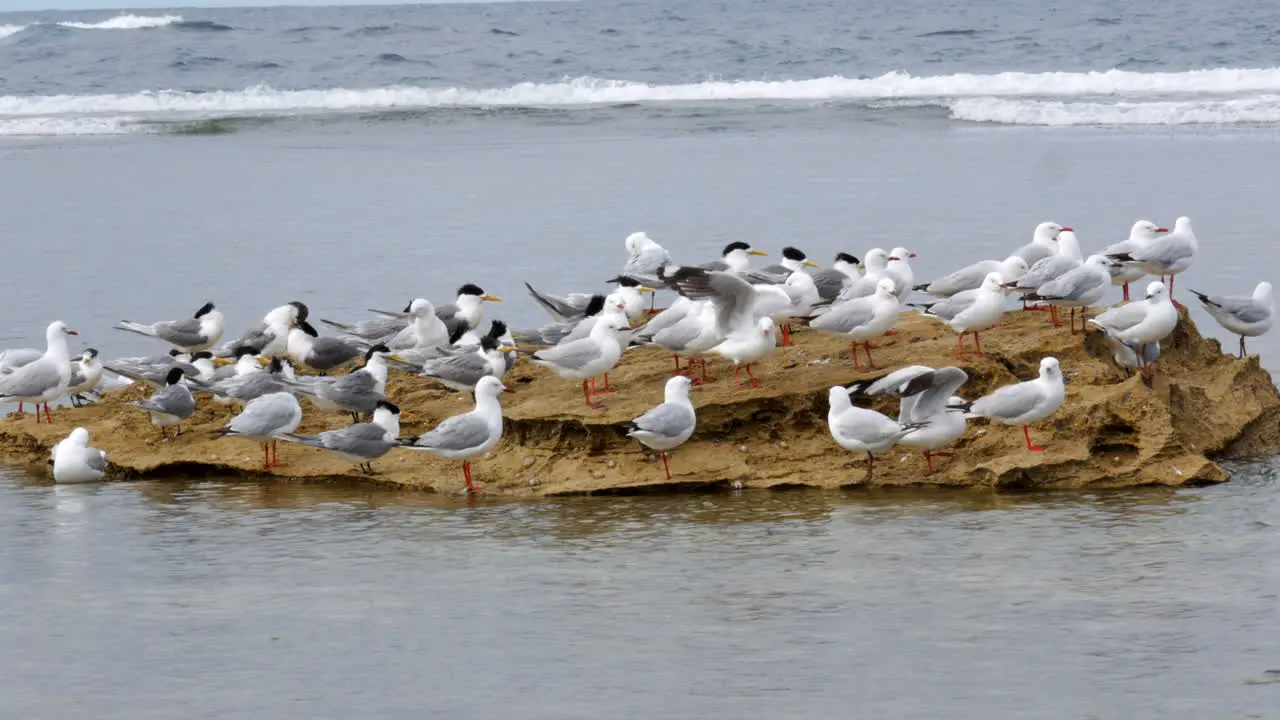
(58, 126)
(1258, 110)
(594, 91)
(126, 22)
(7, 30)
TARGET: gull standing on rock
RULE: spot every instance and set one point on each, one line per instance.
(970, 311)
(692, 336)
(264, 419)
(471, 434)
(1042, 243)
(75, 462)
(645, 257)
(746, 336)
(1023, 403)
(1067, 259)
(1244, 316)
(169, 405)
(44, 379)
(587, 357)
(1168, 255)
(1010, 270)
(898, 267)
(1127, 357)
(192, 334)
(1141, 323)
(803, 296)
(356, 392)
(1142, 234)
(667, 426)
(362, 442)
(861, 319)
(1080, 287)
(926, 399)
(862, 430)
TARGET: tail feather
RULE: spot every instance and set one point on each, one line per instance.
(133, 327)
(310, 440)
(547, 304)
(923, 287)
(337, 325)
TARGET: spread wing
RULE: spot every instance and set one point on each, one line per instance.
(732, 296)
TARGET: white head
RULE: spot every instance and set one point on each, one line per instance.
(636, 242)
(56, 334)
(1013, 268)
(885, 288)
(1145, 230)
(1067, 244)
(283, 316)
(677, 390)
(765, 324)
(1047, 232)
(1157, 292)
(490, 387)
(421, 307)
(1262, 292)
(900, 254)
(838, 398)
(1099, 261)
(611, 321)
(875, 259)
(991, 283)
(1049, 368)
(78, 437)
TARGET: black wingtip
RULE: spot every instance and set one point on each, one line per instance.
(1123, 257)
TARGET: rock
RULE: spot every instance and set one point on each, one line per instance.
(1112, 431)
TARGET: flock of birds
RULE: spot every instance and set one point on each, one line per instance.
(725, 309)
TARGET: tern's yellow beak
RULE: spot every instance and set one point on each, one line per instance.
(263, 361)
(491, 298)
(223, 361)
(757, 252)
(644, 289)
(397, 358)
(862, 266)
(506, 349)
(812, 264)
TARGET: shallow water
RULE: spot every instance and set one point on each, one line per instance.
(254, 600)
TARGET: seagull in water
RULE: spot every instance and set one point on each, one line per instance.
(362, 442)
(862, 430)
(200, 332)
(1169, 255)
(669, 425)
(75, 462)
(265, 418)
(169, 405)
(471, 434)
(44, 379)
(1023, 403)
(1142, 234)
(1245, 316)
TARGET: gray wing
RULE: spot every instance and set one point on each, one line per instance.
(367, 440)
(1246, 310)
(448, 315)
(867, 426)
(96, 459)
(830, 283)
(184, 332)
(77, 374)
(715, 266)
(733, 297)
(678, 336)
(967, 278)
(1123, 317)
(1166, 251)
(845, 316)
(173, 400)
(952, 306)
(267, 415)
(11, 360)
(1045, 270)
(256, 338)
(1123, 246)
(559, 308)
(893, 382)
(1071, 284)
(1009, 401)
(547, 334)
(570, 355)
(373, 328)
(665, 319)
(30, 380)
(460, 432)
(1033, 253)
(935, 390)
(466, 369)
(667, 420)
(330, 352)
(648, 262)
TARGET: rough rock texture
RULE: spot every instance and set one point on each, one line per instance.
(1112, 431)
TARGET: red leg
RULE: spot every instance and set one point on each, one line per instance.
(47, 417)
(786, 334)
(977, 343)
(1242, 350)
(705, 377)
(607, 387)
(853, 350)
(1026, 432)
(928, 457)
(870, 363)
(960, 346)
(1175, 302)
(890, 332)
(586, 394)
(466, 473)
(677, 357)
(20, 408)
(1126, 292)
(754, 382)
(664, 464)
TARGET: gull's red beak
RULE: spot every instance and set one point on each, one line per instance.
(1067, 229)
(894, 257)
(72, 332)
(507, 390)
(1163, 230)
(913, 255)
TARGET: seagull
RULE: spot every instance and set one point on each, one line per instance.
(970, 311)
(307, 348)
(362, 442)
(669, 425)
(861, 319)
(833, 280)
(44, 379)
(464, 313)
(746, 337)
(862, 430)
(356, 392)
(11, 360)
(874, 264)
(1042, 243)
(803, 296)
(925, 399)
(1010, 270)
(898, 267)
(461, 371)
(169, 405)
(1168, 255)
(1244, 316)
(1143, 322)
(1023, 403)
(86, 371)
(75, 462)
(264, 418)
(692, 336)
(1126, 354)
(586, 357)
(613, 311)
(271, 337)
(1080, 287)
(470, 434)
(200, 332)
(645, 257)
(1142, 233)
(1050, 268)
(735, 258)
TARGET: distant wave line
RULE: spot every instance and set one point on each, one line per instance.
(119, 22)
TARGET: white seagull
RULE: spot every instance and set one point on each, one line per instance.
(970, 311)
(669, 425)
(471, 434)
(200, 332)
(747, 336)
(44, 379)
(862, 430)
(1143, 322)
(1010, 270)
(1142, 233)
(1168, 255)
(861, 319)
(1080, 287)
(75, 462)
(1244, 316)
(1042, 243)
(264, 419)
(1023, 403)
